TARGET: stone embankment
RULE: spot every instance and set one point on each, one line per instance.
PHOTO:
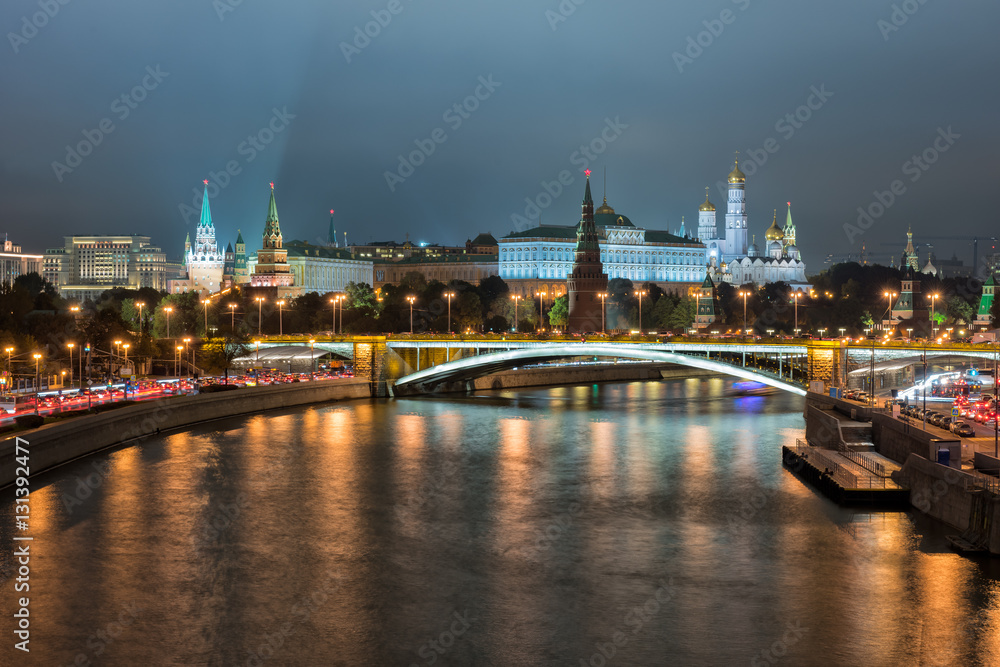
(57, 443)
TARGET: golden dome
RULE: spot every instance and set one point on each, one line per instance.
(707, 206)
(604, 208)
(737, 176)
(774, 232)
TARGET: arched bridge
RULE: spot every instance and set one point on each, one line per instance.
(429, 359)
(486, 364)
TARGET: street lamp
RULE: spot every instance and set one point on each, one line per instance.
(312, 360)
(541, 310)
(333, 305)
(449, 296)
(411, 299)
(744, 294)
(186, 341)
(341, 298)
(10, 352)
(640, 293)
(281, 326)
(260, 315)
(205, 303)
(37, 357)
(168, 310)
(603, 295)
(515, 298)
(232, 317)
(821, 332)
(117, 344)
(795, 298)
(909, 334)
(842, 330)
(889, 296)
(71, 346)
(177, 361)
(933, 298)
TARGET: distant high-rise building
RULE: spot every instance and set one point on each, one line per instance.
(86, 266)
(14, 263)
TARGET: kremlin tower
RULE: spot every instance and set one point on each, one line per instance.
(587, 281)
(272, 268)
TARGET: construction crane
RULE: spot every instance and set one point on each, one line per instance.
(975, 244)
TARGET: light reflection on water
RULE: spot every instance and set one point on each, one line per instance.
(506, 528)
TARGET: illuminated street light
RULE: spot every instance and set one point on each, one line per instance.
(281, 326)
(449, 296)
(411, 299)
(515, 298)
(37, 357)
(795, 298)
(933, 298)
(312, 360)
(744, 294)
(603, 295)
(71, 346)
(541, 311)
(232, 317)
(168, 310)
(205, 303)
(641, 293)
(260, 315)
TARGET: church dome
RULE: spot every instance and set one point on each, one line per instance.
(737, 176)
(605, 209)
(707, 206)
(774, 232)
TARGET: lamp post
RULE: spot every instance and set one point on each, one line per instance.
(411, 299)
(139, 305)
(10, 352)
(281, 326)
(933, 298)
(744, 294)
(312, 360)
(541, 310)
(842, 330)
(333, 305)
(795, 298)
(641, 293)
(889, 296)
(232, 317)
(260, 312)
(909, 334)
(603, 295)
(515, 298)
(821, 332)
(177, 361)
(449, 296)
(186, 341)
(341, 298)
(168, 310)
(37, 357)
(71, 346)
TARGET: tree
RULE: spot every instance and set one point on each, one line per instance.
(219, 353)
(468, 311)
(559, 313)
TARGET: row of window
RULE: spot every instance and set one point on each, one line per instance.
(633, 274)
(636, 257)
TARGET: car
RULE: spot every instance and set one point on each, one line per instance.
(963, 429)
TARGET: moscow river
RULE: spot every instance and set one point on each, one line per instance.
(644, 523)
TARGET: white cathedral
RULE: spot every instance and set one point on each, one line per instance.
(730, 259)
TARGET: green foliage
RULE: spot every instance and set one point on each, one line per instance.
(559, 314)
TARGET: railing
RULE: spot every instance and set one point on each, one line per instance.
(840, 473)
(860, 459)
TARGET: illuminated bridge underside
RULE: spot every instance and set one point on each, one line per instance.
(486, 364)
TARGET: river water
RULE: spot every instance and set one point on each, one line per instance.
(623, 524)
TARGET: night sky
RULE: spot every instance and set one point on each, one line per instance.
(211, 75)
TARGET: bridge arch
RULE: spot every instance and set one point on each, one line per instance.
(472, 367)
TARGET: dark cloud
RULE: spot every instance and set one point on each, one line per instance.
(892, 90)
